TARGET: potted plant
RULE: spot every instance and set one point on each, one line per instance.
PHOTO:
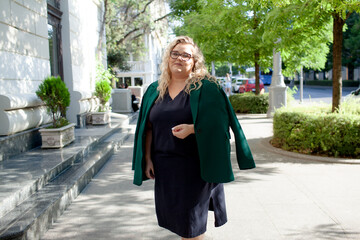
(103, 93)
(56, 97)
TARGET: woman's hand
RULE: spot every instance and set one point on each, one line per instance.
(149, 169)
(183, 130)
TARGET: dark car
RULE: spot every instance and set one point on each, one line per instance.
(249, 85)
(356, 92)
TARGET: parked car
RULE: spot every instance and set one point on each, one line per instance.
(249, 85)
(356, 92)
(237, 85)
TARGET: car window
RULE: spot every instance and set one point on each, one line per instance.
(238, 81)
(252, 81)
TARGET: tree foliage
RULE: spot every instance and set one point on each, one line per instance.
(304, 36)
(228, 31)
(126, 22)
(246, 32)
(338, 12)
(351, 47)
(54, 93)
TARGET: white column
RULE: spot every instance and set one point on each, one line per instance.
(301, 85)
(230, 71)
(277, 89)
(212, 68)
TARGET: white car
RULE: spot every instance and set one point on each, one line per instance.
(236, 83)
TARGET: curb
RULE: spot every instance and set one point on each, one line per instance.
(266, 143)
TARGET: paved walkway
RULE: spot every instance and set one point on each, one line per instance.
(286, 197)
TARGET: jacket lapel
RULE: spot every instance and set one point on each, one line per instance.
(194, 103)
(152, 97)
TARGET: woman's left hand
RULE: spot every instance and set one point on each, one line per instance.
(183, 130)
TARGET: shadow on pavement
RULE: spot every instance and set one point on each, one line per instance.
(322, 231)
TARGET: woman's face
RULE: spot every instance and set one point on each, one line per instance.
(181, 66)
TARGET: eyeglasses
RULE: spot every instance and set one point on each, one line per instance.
(184, 56)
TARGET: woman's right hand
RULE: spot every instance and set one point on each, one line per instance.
(149, 170)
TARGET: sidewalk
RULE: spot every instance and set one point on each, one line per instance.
(286, 197)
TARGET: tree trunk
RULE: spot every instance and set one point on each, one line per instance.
(257, 71)
(337, 46)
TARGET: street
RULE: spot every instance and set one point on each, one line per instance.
(284, 197)
(318, 93)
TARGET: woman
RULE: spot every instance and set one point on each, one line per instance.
(228, 85)
(182, 141)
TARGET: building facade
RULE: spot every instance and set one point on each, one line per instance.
(39, 38)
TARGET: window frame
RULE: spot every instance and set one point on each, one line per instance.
(54, 19)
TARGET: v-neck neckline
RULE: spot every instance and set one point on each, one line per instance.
(172, 99)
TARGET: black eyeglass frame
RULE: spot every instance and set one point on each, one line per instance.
(185, 58)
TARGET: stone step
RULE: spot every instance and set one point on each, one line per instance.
(31, 218)
(36, 186)
(26, 173)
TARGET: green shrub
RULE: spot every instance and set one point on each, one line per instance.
(315, 130)
(102, 85)
(103, 92)
(250, 103)
(54, 93)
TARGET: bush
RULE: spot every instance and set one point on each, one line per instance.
(103, 92)
(250, 103)
(54, 93)
(102, 85)
(315, 130)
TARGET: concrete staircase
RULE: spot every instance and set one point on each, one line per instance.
(37, 186)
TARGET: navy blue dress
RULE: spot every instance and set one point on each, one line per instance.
(182, 198)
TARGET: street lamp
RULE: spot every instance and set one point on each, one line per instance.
(277, 89)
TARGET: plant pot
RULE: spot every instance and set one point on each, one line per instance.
(100, 118)
(57, 137)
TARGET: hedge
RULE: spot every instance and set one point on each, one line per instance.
(320, 132)
(250, 103)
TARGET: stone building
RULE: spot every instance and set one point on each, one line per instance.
(39, 38)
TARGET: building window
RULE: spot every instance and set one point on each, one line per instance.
(54, 36)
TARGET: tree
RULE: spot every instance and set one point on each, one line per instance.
(126, 22)
(245, 32)
(302, 45)
(233, 31)
(322, 11)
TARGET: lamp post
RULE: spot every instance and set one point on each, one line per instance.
(277, 89)
(301, 85)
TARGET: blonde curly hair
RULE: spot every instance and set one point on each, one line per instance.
(198, 73)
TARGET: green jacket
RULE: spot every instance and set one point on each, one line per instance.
(212, 115)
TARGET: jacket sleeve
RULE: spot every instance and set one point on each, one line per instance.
(138, 163)
(243, 153)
